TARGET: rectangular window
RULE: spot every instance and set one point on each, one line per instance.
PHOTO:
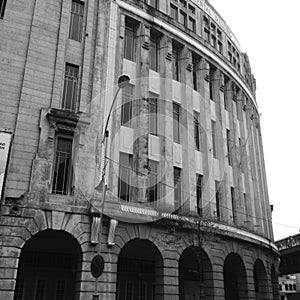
(241, 155)
(76, 22)
(153, 185)
(62, 169)
(154, 53)
(191, 9)
(213, 41)
(152, 102)
(214, 138)
(69, 101)
(233, 204)
(174, 12)
(125, 189)
(177, 188)
(2, 8)
(192, 24)
(175, 64)
(40, 290)
(126, 110)
(228, 141)
(60, 290)
(206, 34)
(154, 3)
(197, 132)
(129, 41)
(129, 291)
(218, 198)
(199, 179)
(182, 18)
(211, 82)
(176, 122)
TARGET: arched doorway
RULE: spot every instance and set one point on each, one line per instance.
(235, 279)
(275, 284)
(260, 281)
(195, 275)
(139, 271)
(48, 267)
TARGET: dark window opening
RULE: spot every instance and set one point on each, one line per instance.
(199, 179)
(176, 122)
(130, 41)
(127, 101)
(153, 185)
(152, 102)
(175, 64)
(154, 53)
(177, 188)
(218, 196)
(214, 138)
(62, 170)
(76, 22)
(69, 101)
(197, 130)
(125, 188)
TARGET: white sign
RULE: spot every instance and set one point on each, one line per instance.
(207, 9)
(5, 140)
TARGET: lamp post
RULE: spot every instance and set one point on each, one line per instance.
(97, 264)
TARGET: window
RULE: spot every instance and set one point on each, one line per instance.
(228, 147)
(154, 3)
(192, 24)
(2, 8)
(183, 3)
(152, 102)
(218, 196)
(62, 168)
(213, 40)
(129, 41)
(126, 110)
(174, 12)
(175, 64)
(214, 138)
(199, 179)
(191, 9)
(125, 189)
(280, 287)
(76, 25)
(195, 77)
(233, 204)
(177, 188)
(182, 18)
(69, 100)
(226, 94)
(197, 130)
(211, 82)
(154, 53)
(60, 290)
(176, 122)
(153, 185)
(40, 290)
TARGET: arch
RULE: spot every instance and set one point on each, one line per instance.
(49, 266)
(195, 274)
(260, 281)
(274, 280)
(140, 271)
(235, 278)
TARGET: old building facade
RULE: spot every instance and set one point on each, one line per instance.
(185, 200)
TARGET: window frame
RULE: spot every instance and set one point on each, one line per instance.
(128, 168)
(74, 34)
(197, 131)
(127, 105)
(214, 138)
(177, 176)
(154, 53)
(71, 76)
(130, 41)
(153, 167)
(199, 187)
(153, 114)
(67, 190)
(176, 122)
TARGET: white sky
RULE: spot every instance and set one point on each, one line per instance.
(269, 32)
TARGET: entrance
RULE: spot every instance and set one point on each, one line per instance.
(48, 267)
(139, 273)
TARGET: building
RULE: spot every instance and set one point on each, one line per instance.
(185, 200)
(288, 287)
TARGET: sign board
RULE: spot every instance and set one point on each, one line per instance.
(5, 141)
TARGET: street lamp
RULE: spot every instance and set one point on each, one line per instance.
(97, 223)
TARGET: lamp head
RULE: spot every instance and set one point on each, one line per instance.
(123, 81)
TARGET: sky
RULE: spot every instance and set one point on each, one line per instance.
(268, 31)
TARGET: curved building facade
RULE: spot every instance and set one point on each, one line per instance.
(145, 186)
